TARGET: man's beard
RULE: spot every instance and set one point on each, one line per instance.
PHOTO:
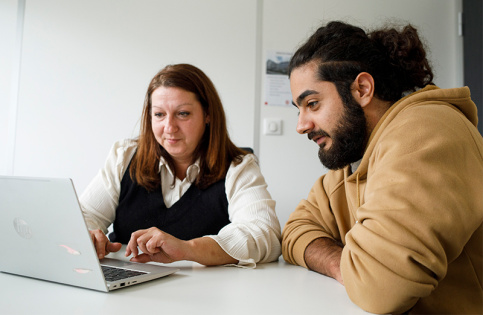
(348, 140)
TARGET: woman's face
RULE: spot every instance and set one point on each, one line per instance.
(178, 122)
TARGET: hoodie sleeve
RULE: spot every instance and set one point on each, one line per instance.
(313, 218)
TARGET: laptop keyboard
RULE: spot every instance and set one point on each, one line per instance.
(114, 274)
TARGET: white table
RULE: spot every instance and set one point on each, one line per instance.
(274, 288)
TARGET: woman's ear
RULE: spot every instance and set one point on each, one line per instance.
(363, 88)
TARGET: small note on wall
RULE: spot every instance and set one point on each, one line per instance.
(277, 83)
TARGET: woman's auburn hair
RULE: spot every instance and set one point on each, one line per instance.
(215, 150)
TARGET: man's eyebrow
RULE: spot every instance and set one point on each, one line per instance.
(304, 95)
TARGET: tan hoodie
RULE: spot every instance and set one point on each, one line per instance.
(410, 217)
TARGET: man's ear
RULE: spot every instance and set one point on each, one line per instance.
(363, 89)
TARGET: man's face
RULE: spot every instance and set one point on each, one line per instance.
(339, 129)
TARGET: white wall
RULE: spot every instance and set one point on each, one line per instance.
(85, 66)
(8, 50)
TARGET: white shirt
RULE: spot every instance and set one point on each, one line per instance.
(172, 194)
(254, 234)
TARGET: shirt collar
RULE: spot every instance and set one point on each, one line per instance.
(191, 173)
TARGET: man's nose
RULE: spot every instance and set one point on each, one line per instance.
(304, 125)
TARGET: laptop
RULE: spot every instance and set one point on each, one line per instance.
(44, 236)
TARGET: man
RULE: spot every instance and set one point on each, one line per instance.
(398, 218)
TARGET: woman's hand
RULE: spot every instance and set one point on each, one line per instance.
(156, 245)
(102, 244)
(162, 247)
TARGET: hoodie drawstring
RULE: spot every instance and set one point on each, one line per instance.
(358, 194)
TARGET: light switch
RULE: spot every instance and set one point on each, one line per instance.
(272, 126)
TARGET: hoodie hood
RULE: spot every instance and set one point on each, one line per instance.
(459, 99)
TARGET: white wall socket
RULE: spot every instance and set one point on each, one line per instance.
(272, 126)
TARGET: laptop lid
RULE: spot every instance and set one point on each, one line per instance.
(44, 236)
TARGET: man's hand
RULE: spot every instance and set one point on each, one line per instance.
(323, 256)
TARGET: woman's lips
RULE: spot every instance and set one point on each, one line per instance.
(172, 141)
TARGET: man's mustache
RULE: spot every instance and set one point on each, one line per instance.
(313, 134)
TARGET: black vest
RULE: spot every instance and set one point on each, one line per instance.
(196, 214)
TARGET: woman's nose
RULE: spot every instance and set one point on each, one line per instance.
(170, 124)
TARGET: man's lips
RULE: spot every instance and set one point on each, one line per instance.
(318, 137)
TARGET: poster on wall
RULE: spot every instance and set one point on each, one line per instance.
(277, 84)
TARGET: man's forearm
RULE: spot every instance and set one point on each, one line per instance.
(323, 256)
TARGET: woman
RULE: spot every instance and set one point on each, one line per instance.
(183, 190)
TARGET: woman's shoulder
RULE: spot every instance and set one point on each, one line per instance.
(124, 145)
(248, 163)
(123, 150)
(245, 160)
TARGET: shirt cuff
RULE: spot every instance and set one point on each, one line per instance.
(248, 263)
